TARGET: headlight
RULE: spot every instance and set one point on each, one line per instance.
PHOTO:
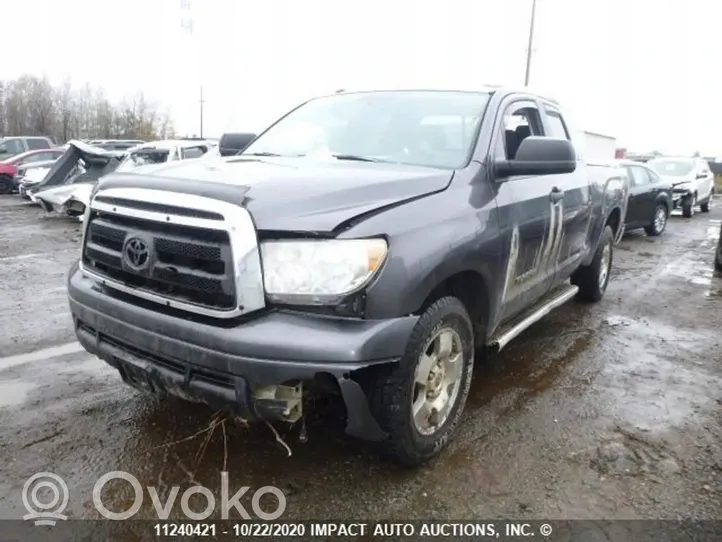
(312, 272)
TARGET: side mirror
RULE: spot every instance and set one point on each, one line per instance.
(701, 175)
(539, 156)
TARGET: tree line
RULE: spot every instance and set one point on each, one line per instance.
(32, 106)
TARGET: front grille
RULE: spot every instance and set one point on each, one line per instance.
(189, 264)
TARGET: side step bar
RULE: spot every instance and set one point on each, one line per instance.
(547, 304)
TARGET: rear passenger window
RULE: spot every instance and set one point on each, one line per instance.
(557, 127)
(193, 152)
(35, 143)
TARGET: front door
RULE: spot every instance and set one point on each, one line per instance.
(526, 210)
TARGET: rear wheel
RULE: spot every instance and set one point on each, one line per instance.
(419, 402)
(659, 221)
(704, 207)
(6, 184)
(593, 279)
(688, 209)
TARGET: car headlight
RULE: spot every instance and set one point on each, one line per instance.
(315, 272)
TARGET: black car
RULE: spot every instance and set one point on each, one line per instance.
(650, 199)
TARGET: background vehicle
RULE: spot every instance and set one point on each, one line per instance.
(692, 182)
(650, 198)
(12, 146)
(365, 244)
(9, 167)
(159, 152)
(118, 144)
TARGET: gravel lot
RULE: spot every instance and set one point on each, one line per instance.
(605, 411)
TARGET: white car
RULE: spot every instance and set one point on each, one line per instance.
(691, 179)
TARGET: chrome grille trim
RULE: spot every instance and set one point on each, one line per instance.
(237, 223)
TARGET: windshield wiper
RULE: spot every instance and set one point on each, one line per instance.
(355, 158)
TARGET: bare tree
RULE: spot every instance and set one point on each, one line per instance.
(31, 106)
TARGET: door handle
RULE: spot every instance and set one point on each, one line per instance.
(556, 195)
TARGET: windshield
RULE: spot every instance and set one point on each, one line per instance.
(426, 128)
(143, 158)
(673, 168)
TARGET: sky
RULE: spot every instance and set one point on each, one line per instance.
(644, 71)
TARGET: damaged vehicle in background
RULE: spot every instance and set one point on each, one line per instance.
(691, 179)
(66, 187)
(66, 191)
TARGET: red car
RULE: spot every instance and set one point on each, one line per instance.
(9, 167)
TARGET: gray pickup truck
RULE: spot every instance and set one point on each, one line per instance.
(366, 244)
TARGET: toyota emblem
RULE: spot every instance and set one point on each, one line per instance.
(136, 254)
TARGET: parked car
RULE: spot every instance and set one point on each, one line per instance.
(59, 189)
(159, 152)
(12, 146)
(650, 198)
(364, 244)
(9, 167)
(692, 182)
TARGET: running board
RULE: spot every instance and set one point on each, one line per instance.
(539, 310)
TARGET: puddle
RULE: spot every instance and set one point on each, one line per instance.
(14, 392)
(38, 355)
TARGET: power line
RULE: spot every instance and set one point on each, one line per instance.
(531, 43)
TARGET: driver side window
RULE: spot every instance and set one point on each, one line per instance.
(520, 121)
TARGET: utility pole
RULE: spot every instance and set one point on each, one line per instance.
(201, 102)
(531, 43)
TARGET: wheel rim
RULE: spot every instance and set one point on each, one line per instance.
(660, 219)
(437, 381)
(606, 261)
(694, 204)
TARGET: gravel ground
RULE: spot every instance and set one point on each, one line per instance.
(612, 410)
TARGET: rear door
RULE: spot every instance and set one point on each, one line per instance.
(573, 206)
(706, 181)
(525, 206)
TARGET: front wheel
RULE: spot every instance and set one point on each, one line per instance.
(6, 184)
(688, 208)
(420, 400)
(659, 222)
(593, 279)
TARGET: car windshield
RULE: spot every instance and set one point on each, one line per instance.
(426, 128)
(143, 158)
(673, 168)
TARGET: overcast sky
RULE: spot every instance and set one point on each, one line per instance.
(645, 71)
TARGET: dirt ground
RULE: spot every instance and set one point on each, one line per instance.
(611, 410)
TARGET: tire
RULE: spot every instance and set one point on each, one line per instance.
(718, 254)
(392, 393)
(6, 184)
(688, 210)
(704, 207)
(593, 279)
(659, 221)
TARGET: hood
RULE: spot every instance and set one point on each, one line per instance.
(66, 169)
(292, 194)
(61, 195)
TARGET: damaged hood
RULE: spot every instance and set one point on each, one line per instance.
(293, 194)
(97, 162)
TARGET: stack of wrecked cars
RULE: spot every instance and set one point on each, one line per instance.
(65, 188)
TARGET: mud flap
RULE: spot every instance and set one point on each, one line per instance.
(359, 420)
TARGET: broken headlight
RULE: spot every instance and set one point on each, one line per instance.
(319, 271)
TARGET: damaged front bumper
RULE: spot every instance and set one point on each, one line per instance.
(233, 368)
(681, 199)
(65, 200)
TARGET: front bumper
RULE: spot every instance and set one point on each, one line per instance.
(680, 199)
(222, 366)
